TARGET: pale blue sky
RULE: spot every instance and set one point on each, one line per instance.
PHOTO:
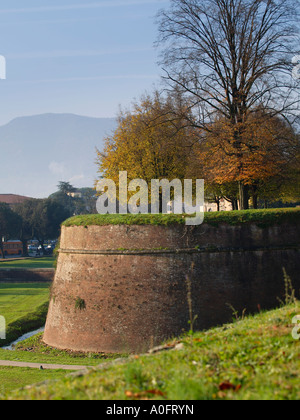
(75, 56)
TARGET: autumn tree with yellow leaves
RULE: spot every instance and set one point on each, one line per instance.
(149, 142)
(153, 142)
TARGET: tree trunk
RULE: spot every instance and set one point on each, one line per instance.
(235, 205)
(25, 248)
(244, 196)
(2, 250)
(254, 195)
(255, 201)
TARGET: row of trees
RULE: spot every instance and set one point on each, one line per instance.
(230, 106)
(33, 219)
(40, 219)
(150, 143)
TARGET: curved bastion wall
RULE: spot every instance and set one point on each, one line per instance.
(126, 288)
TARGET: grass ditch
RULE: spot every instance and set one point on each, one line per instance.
(24, 307)
(30, 322)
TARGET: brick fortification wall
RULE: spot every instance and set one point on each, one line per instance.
(124, 288)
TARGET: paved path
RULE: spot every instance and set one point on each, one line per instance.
(40, 366)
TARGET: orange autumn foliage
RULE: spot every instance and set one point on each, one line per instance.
(262, 149)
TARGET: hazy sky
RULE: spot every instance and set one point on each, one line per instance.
(75, 56)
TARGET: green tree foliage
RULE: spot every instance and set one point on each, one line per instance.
(65, 187)
(40, 219)
(10, 224)
(26, 213)
(75, 201)
(48, 216)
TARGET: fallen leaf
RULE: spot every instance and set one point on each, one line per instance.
(155, 392)
(129, 394)
(227, 386)
(144, 394)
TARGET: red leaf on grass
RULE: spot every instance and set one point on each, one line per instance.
(227, 386)
(143, 394)
(155, 392)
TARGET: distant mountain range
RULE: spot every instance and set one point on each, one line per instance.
(39, 151)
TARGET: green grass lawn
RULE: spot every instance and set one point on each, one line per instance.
(24, 307)
(35, 351)
(254, 358)
(20, 305)
(251, 359)
(31, 263)
(17, 300)
(12, 378)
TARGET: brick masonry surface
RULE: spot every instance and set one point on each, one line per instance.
(125, 288)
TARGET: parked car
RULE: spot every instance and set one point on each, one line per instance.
(32, 249)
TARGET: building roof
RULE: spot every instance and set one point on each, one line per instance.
(12, 199)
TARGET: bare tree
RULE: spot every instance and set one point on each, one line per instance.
(230, 57)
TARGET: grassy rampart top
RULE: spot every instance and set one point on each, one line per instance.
(262, 218)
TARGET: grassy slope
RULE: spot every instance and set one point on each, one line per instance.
(17, 299)
(260, 217)
(14, 378)
(35, 351)
(256, 358)
(24, 307)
